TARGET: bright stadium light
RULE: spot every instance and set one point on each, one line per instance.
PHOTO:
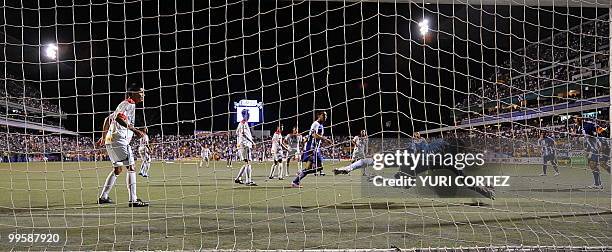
(424, 27)
(51, 51)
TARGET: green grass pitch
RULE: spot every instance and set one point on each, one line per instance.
(195, 208)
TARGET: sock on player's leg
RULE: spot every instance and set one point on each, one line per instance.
(544, 169)
(280, 170)
(299, 177)
(360, 164)
(148, 166)
(272, 169)
(143, 168)
(248, 174)
(286, 169)
(108, 185)
(130, 181)
(242, 169)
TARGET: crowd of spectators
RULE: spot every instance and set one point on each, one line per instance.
(507, 140)
(574, 55)
(25, 93)
(29, 147)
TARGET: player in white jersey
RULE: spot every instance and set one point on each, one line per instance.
(118, 130)
(278, 153)
(205, 155)
(293, 141)
(244, 142)
(143, 151)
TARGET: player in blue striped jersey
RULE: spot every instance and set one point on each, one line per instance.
(229, 155)
(604, 152)
(547, 143)
(593, 146)
(312, 150)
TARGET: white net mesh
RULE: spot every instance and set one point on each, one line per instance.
(495, 76)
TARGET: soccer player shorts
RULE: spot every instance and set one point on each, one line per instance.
(547, 158)
(313, 156)
(120, 154)
(244, 153)
(293, 152)
(358, 155)
(277, 155)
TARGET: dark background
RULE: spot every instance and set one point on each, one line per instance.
(365, 63)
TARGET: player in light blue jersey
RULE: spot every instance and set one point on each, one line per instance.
(360, 159)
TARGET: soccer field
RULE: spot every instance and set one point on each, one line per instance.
(195, 208)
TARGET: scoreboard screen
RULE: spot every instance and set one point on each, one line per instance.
(254, 107)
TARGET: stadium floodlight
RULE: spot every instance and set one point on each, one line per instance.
(51, 51)
(424, 27)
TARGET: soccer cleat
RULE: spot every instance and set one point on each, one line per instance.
(105, 201)
(271, 177)
(294, 185)
(251, 184)
(321, 174)
(138, 203)
(280, 178)
(556, 174)
(238, 181)
(542, 174)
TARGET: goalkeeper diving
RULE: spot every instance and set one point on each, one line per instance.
(359, 159)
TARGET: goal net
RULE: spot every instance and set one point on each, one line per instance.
(525, 85)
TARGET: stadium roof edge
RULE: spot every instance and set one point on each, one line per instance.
(588, 105)
(35, 126)
(33, 109)
(569, 3)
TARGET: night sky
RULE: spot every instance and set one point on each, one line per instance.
(365, 63)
